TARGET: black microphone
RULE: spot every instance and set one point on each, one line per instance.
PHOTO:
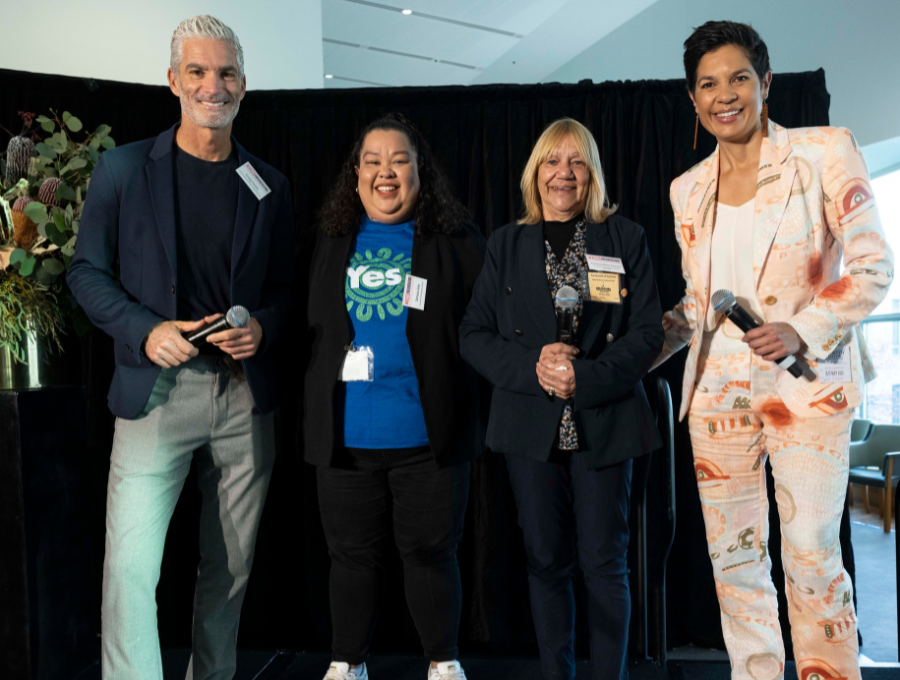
(723, 301)
(566, 301)
(237, 317)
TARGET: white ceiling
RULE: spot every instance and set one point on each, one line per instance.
(460, 42)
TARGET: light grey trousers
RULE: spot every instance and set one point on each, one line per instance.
(196, 411)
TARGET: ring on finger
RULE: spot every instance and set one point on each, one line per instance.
(552, 391)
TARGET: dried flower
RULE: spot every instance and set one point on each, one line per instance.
(18, 156)
(25, 231)
(47, 192)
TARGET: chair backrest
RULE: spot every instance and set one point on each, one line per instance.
(884, 439)
(860, 430)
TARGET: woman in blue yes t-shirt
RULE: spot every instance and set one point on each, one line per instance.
(390, 412)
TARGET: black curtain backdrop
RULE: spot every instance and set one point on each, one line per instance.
(482, 136)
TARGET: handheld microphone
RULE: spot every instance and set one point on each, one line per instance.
(237, 317)
(566, 301)
(723, 301)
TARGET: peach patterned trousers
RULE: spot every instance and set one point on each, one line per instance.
(810, 463)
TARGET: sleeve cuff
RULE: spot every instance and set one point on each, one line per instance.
(818, 329)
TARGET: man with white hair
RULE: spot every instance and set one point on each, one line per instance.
(197, 226)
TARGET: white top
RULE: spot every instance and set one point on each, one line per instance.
(731, 258)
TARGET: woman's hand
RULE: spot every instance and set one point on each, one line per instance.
(774, 341)
(554, 370)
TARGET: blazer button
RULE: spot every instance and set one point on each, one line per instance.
(609, 337)
(624, 292)
(508, 290)
(173, 290)
(518, 332)
(771, 300)
(825, 347)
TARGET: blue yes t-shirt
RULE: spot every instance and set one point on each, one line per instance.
(385, 413)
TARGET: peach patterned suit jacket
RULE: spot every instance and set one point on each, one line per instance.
(813, 205)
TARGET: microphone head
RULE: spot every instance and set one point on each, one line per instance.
(237, 317)
(723, 300)
(567, 298)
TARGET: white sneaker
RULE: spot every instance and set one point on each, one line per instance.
(338, 670)
(447, 670)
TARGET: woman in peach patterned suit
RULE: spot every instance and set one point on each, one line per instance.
(769, 216)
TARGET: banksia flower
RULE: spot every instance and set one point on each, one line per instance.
(19, 205)
(25, 231)
(18, 157)
(47, 192)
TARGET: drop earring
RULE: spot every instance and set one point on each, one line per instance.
(765, 119)
(696, 129)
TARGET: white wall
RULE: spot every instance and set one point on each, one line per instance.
(128, 40)
(855, 41)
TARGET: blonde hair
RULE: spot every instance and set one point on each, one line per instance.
(597, 207)
(204, 26)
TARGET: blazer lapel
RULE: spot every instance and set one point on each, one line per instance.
(702, 208)
(246, 213)
(534, 281)
(598, 242)
(773, 190)
(160, 178)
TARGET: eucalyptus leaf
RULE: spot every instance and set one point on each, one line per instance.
(36, 211)
(45, 277)
(42, 229)
(67, 192)
(60, 221)
(53, 266)
(95, 143)
(69, 249)
(66, 116)
(48, 126)
(108, 143)
(42, 119)
(102, 131)
(45, 150)
(75, 224)
(74, 124)
(57, 237)
(18, 255)
(27, 266)
(69, 213)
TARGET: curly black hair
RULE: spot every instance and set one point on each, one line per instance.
(715, 34)
(437, 210)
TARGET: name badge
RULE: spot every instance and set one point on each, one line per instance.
(414, 292)
(600, 263)
(359, 365)
(604, 287)
(836, 367)
(252, 179)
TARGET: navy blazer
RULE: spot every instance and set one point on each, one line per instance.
(129, 220)
(511, 318)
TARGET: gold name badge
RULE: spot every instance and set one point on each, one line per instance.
(604, 287)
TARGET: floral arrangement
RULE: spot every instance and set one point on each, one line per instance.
(43, 185)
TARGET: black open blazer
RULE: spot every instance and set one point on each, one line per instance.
(448, 387)
(511, 317)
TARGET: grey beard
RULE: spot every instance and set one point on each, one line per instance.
(190, 109)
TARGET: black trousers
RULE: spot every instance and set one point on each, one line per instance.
(366, 494)
(565, 509)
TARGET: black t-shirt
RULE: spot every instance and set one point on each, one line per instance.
(560, 234)
(206, 195)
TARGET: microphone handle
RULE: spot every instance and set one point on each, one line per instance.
(565, 323)
(740, 318)
(198, 337)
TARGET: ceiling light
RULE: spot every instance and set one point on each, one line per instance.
(328, 75)
(406, 11)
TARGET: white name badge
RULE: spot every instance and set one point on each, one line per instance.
(414, 292)
(600, 263)
(358, 365)
(836, 368)
(252, 179)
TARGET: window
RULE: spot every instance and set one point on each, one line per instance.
(881, 330)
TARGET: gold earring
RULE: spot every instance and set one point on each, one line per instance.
(765, 119)
(696, 128)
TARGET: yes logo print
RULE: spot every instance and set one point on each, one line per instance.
(375, 283)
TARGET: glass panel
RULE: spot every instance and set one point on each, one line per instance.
(882, 400)
(887, 198)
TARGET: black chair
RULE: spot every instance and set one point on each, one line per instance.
(649, 573)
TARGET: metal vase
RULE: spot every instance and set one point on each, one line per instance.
(37, 371)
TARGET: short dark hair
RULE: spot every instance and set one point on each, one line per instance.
(437, 209)
(715, 34)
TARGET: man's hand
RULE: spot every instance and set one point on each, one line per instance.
(774, 341)
(240, 343)
(165, 345)
(554, 370)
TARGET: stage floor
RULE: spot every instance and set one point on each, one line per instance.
(291, 665)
